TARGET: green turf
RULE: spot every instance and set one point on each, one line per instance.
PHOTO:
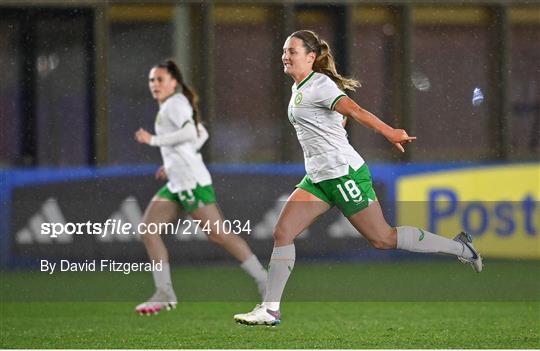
(442, 280)
(429, 304)
(305, 325)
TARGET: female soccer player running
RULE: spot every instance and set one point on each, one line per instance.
(336, 174)
(180, 135)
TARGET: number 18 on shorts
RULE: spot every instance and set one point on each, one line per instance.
(351, 193)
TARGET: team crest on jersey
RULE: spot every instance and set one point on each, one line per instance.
(298, 98)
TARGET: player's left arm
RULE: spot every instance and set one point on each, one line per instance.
(348, 108)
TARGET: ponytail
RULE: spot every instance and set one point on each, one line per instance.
(193, 98)
(324, 61)
(173, 69)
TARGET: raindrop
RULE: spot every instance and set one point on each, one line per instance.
(477, 97)
(420, 81)
(388, 29)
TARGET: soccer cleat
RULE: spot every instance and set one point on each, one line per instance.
(476, 260)
(259, 316)
(158, 302)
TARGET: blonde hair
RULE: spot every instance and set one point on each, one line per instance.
(324, 61)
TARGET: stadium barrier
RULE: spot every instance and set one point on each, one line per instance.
(496, 203)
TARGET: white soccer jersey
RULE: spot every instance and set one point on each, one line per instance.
(182, 160)
(327, 152)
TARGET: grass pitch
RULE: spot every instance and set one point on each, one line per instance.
(429, 304)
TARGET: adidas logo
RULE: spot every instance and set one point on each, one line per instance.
(49, 212)
(265, 228)
(128, 212)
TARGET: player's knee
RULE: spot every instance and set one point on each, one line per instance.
(384, 240)
(218, 239)
(150, 239)
(281, 235)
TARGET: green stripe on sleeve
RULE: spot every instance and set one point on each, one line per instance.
(185, 123)
(336, 100)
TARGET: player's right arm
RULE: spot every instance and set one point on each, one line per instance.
(185, 134)
(398, 137)
(178, 116)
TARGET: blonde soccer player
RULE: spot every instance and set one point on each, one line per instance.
(179, 136)
(336, 174)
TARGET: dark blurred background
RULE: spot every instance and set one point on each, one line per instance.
(74, 77)
(464, 77)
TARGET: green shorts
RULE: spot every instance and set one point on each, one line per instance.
(351, 193)
(190, 200)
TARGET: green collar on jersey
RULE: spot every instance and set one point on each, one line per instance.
(304, 81)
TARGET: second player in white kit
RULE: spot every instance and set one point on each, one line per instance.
(179, 142)
(180, 136)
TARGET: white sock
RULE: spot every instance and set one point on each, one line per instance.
(418, 240)
(162, 279)
(279, 270)
(254, 268)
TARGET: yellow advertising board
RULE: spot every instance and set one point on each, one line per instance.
(497, 205)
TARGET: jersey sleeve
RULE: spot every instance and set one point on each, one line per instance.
(178, 113)
(327, 94)
(183, 135)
